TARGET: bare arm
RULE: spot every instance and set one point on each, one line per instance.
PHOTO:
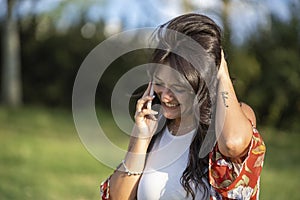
(233, 126)
(122, 185)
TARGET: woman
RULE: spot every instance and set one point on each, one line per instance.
(172, 168)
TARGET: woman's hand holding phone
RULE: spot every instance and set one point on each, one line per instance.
(145, 119)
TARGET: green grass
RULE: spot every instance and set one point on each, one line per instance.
(280, 175)
(42, 157)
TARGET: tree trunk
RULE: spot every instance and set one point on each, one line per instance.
(226, 28)
(11, 66)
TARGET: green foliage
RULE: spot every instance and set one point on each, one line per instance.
(268, 73)
(244, 69)
(50, 63)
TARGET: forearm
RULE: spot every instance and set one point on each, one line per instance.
(122, 185)
(233, 128)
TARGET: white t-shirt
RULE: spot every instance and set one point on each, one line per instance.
(164, 167)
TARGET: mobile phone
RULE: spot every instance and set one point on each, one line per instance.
(151, 93)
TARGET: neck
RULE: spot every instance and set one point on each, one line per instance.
(181, 126)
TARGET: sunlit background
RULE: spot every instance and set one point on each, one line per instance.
(43, 43)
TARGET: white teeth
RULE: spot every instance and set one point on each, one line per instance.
(171, 104)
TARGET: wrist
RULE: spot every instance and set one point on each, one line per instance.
(135, 158)
(129, 172)
(139, 145)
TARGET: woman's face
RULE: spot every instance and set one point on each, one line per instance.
(175, 93)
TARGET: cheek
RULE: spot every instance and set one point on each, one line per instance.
(157, 93)
(187, 103)
(186, 100)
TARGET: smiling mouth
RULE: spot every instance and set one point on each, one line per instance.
(171, 105)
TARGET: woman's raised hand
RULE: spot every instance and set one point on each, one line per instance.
(223, 70)
(145, 120)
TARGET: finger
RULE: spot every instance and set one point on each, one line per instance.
(152, 117)
(141, 102)
(223, 65)
(145, 112)
(147, 91)
(149, 112)
(151, 93)
(223, 57)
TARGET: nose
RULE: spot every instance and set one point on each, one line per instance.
(166, 95)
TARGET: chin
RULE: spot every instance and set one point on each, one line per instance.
(171, 115)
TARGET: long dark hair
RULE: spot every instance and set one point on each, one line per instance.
(205, 32)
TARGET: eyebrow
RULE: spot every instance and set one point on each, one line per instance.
(156, 77)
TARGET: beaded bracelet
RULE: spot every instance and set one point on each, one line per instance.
(129, 173)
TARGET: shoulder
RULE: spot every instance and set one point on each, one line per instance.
(248, 112)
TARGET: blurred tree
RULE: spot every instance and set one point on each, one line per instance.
(52, 48)
(266, 66)
(11, 65)
(275, 92)
(52, 58)
(226, 27)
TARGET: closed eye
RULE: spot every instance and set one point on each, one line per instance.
(159, 84)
